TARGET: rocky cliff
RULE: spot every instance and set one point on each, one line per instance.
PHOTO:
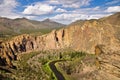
(108, 62)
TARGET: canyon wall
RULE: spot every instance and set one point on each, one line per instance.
(80, 36)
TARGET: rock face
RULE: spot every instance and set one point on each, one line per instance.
(6, 54)
(108, 62)
(80, 36)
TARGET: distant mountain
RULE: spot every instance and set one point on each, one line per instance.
(16, 25)
(48, 22)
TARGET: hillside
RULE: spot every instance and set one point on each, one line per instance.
(19, 24)
(114, 20)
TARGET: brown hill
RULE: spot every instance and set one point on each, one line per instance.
(113, 19)
(16, 25)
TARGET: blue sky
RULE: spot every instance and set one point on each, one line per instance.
(63, 11)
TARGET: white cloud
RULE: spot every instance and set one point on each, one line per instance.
(69, 3)
(74, 3)
(8, 4)
(30, 17)
(38, 9)
(97, 16)
(52, 2)
(68, 18)
(113, 2)
(71, 17)
(96, 8)
(7, 8)
(113, 9)
(47, 7)
(60, 10)
(65, 16)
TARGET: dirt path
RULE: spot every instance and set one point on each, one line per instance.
(54, 69)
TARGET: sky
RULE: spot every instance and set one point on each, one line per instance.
(62, 11)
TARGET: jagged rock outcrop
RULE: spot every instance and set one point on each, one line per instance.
(6, 54)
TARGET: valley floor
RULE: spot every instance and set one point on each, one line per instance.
(56, 65)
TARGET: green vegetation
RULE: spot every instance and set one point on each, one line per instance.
(24, 70)
(25, 57)
(37, 31)
(7, 35)
(49, 72)
(31, 67)
(72, 57)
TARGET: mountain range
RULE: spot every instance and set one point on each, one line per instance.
(17, 25)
